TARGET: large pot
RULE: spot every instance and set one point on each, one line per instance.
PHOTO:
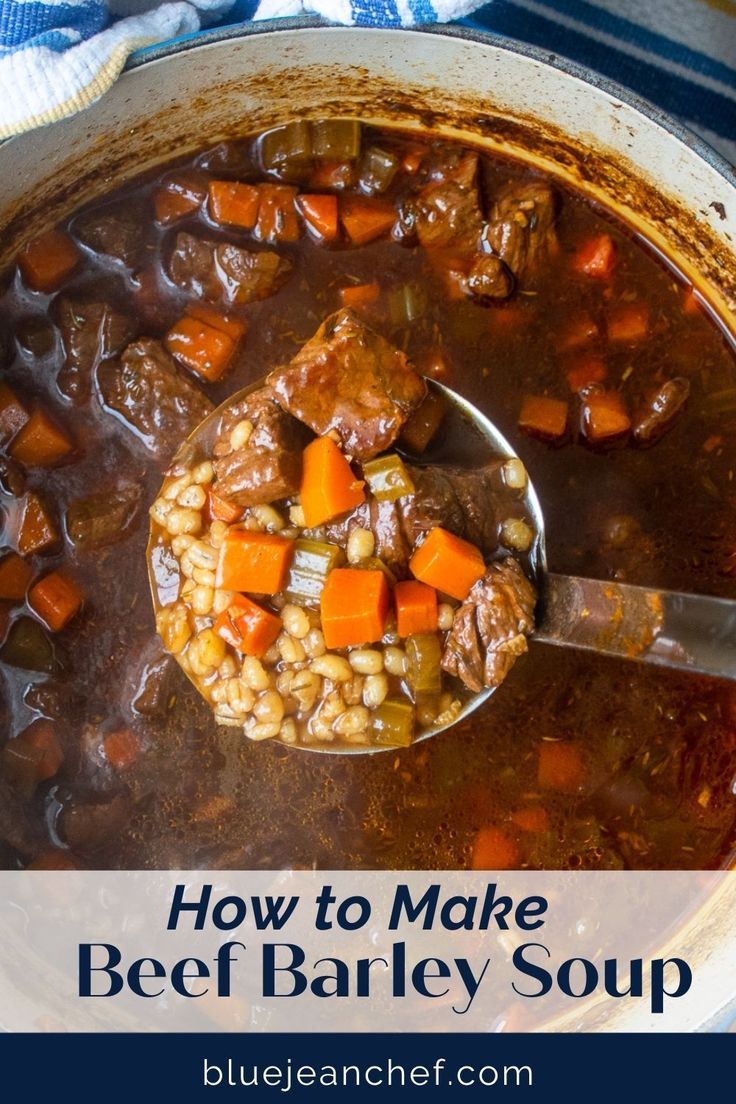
(507, 97)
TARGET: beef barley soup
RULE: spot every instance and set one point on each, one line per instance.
(126, 326)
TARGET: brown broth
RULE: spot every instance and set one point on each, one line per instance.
(659, 748)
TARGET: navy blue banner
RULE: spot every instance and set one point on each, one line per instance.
(133, 1068)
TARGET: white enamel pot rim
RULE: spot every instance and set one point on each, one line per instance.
(505, 96)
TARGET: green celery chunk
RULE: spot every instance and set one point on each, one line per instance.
(423, 424)
(310, 565)
(28, 647)
(407, 303)
(387, 478)
(286, 145)
(393, 722)
(378, 167)
(336, 139)
(374, 563)
(423, 670)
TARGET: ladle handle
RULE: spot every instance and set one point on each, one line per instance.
(687, 632)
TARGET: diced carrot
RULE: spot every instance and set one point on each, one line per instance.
(691, 302)
(359, 295)
(253, 562)
(629, 323)
(15, 575)
(220, 509)
(47, 261)
(234, 204)
(354, 607)
(364, 220)
(277, 217)
(416, 608)
(596, 257)
(604, 416)
(532, 819)
(13, 414)
(333, 174)
(179, 196)
(40, 443)
(494, 850)
(200, 347)
(412, 160)
(581, 331)
(329, 486)
(560, 766)
(544, 417)
(41, 735)
(229, 324)
(247, 627)
(713, 442)
(121, 748)
(320, 214)
(448, 563)
(56, 599)
(585, 371)
(36, 530)
(452, 268)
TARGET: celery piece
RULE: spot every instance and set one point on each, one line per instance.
(286, 145)
(336, 139)
(373, 563)
(387, 478)
(393, 722)
(423, 670)
(378, 167)
(406, 304)
(310, 565)
(422, 425)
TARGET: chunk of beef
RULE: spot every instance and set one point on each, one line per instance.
(489, 278)
(269, 465)
(350, 379)
(660, 410)
(158, 404)
(447, 212)
(220, 270)
(457, 499)
(490, 628)
(153, 682)
(90, 333)
(103, 518)
(117, 231)
(521, 230)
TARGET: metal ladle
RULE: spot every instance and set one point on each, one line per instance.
(684, 632)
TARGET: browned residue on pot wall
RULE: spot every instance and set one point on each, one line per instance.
(185, 126)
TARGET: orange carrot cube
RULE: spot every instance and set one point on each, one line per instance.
(604, 416)
(494, 850)
(329, 486)
(40, 442)
(560, 766)
(364, 220)
(585, 371)
(48, 260)
(247, 627)
(36, 530)
(234, 204)
(544, 417)
(354, 606)
(277, 217)
(320, 214)
(629, 324)
(200, 347)
(596, 257)
(179, 196)
(416, 608)
(56, 599)
(448, 563)
(254, 562)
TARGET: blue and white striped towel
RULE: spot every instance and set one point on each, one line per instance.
(58, 56)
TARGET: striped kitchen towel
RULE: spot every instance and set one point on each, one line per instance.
(58, 56)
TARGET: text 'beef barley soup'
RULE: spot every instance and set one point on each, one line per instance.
(351, 267)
